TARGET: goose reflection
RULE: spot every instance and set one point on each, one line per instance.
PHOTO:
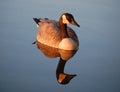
(65, 55)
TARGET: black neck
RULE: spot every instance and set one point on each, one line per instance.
(60, 67)
(63, 29)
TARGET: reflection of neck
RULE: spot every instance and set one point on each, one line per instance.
(63, 29)
(60, 67)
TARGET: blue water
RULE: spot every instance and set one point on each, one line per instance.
(23, 68)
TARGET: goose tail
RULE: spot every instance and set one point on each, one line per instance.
(36, 21)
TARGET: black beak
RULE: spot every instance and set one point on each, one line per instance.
(75, 23)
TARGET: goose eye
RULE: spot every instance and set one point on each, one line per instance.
(69, 19)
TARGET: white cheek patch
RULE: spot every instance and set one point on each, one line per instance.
(65, 21)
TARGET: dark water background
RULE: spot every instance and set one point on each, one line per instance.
(23, 68)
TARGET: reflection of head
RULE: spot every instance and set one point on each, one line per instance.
(62, 77)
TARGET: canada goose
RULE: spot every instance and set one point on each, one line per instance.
(56, 33)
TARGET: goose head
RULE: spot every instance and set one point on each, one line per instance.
(68, 18)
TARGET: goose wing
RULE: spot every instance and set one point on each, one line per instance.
(49, 32)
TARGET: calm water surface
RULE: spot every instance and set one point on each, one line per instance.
(23, 68)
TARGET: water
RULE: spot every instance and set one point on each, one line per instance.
(24, 68)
